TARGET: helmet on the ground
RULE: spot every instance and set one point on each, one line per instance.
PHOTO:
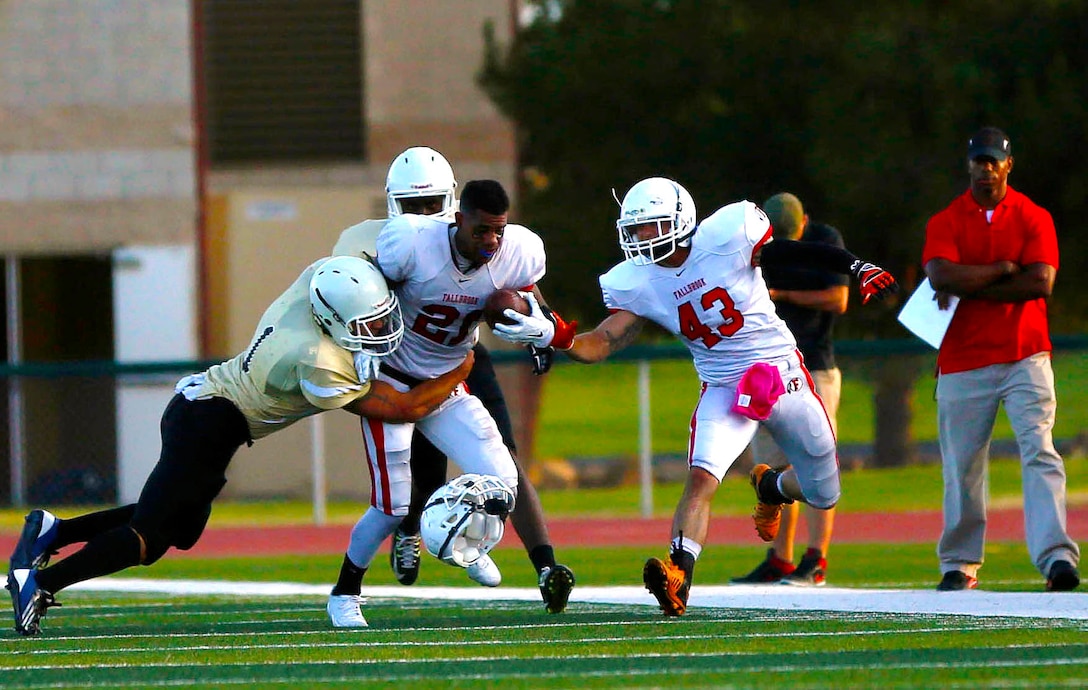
(466, 518)
(663, 203)
(353, 304)
(420, 172)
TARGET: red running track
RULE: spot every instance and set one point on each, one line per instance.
(920, 527)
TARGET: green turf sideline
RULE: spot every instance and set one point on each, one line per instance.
(758, 597)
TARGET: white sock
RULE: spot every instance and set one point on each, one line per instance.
(690, 545)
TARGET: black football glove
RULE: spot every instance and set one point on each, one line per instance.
(873, 281)
(542, 359)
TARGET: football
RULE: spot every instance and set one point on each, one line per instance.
(501, 300)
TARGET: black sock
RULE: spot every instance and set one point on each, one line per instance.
(768, 489)
(105, 554)
(86, 527)
(542, 556)
(684, 560)
(350, 580)
(410, 524)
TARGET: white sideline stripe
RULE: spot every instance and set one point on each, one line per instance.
(1069, 605)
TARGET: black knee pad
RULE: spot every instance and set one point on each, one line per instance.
(155, 544)
(188, 530)
(182, 533)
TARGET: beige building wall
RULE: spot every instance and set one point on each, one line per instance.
(420, 79)
(419, 84)
(97, 152)
(264, 237)
(95, 125)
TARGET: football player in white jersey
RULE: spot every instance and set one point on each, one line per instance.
(420, 181)
(316, 348)
(704, 283)
(442, 272)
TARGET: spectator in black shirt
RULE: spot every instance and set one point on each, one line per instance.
(809, 301)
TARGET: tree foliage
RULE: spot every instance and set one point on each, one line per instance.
(862, 111)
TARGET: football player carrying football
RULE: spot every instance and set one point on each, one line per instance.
(443, 269)
(704, 283)
(421, 181)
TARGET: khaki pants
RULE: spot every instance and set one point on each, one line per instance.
(967, 403)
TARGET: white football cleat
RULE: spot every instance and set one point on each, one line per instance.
(345, 612)
(485, 572)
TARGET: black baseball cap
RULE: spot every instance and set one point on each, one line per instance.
(989, 141)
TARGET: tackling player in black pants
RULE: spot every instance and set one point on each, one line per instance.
(315, 349)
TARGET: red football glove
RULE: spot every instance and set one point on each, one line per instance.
(564, 332)
(873, 281)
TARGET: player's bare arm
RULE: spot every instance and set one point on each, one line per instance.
(613, 334)
(833, 299)
(385, 403)
(539, 297)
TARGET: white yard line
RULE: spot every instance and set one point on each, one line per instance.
(1070, 605)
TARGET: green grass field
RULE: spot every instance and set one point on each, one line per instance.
(900, 489)
(142, 640)
(113, 640)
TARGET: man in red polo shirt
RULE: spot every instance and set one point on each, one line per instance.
(997, 251)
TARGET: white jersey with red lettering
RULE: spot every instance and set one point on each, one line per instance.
(719, 306)
(442, 306)
(717, 301)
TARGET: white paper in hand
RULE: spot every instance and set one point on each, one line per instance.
(924, 318)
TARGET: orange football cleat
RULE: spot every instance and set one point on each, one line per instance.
(666, 581)
(767, 516)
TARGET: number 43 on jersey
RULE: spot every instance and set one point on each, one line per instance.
(692, 328)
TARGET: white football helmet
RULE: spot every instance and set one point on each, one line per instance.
(660, 201)
(353, 304)
(418, 172)
(466, 518)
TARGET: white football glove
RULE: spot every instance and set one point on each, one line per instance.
(534, 329)
(192, 387)
(366, 366)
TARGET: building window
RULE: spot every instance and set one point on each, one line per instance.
(283, 80)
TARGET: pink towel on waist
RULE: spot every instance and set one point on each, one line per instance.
(758, 391)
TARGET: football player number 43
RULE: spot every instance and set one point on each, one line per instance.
(694, 329)
(433, 319)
